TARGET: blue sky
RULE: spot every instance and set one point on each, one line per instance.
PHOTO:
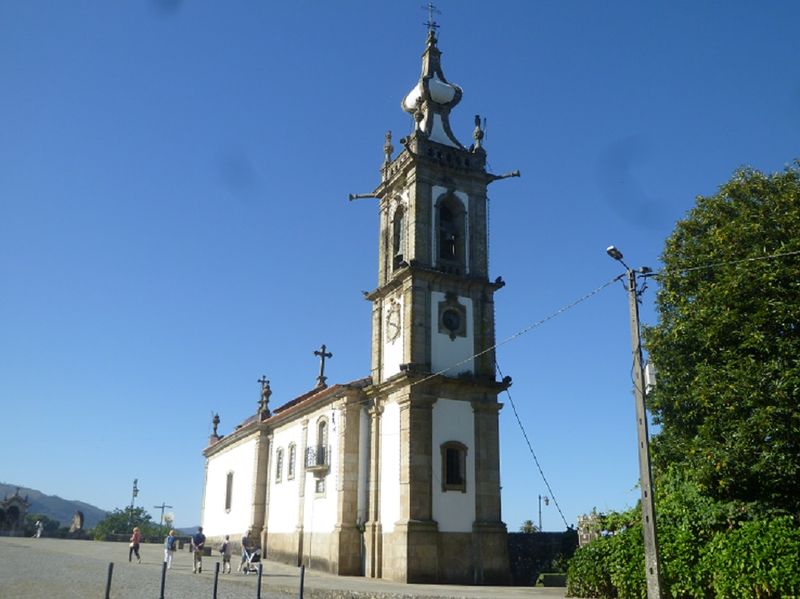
(174, 219)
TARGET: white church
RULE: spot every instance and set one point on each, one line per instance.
(395, 475)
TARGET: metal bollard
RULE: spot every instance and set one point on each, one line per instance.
(108, 580)
(163, 579)
(216, 579)
(258, 584)
(302, 579)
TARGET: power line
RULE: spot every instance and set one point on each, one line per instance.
(533, 454)
(527, 329)
(729, 262)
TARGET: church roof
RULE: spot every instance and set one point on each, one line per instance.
(319, 394)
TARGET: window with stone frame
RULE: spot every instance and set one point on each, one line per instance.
(278, 464)
(454, 466)
(228, 491)
(292, 459)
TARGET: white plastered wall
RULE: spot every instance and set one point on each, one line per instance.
(320, 508)
(241, 460)
(447, 353)
(392, 350)
(283, 495)
(453, 421)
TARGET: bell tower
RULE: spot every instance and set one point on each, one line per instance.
(434, 488)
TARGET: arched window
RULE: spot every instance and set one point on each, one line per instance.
(448, 235)
(292, 459)
(451, 234)
(454, 466)
(278, 464)
(398, 237)
(228, 491)
(322, 433)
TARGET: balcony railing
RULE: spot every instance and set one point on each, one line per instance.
(318, 458)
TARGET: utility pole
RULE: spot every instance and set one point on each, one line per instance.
(651, 553)
(162, 507)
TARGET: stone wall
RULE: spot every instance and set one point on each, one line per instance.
(532, 554)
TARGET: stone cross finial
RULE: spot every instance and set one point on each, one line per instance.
(431, 24)
(388, 148)
(266, 392)
(322, 355)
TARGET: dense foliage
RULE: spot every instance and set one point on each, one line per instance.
(727, 345)
(704, 552)
(121, 522)
(727, 455)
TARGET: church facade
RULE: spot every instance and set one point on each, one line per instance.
(395, 475)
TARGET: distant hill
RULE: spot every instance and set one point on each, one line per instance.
(55, 507)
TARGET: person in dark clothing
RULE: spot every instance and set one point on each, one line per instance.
(198, 544)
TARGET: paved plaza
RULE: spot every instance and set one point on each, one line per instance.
(62, 569)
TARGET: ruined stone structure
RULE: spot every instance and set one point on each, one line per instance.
(12, 513)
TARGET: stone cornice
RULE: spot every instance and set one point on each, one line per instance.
(435, 276)
(237, 436)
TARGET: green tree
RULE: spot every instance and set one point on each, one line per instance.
(727, 457)
(528, 527)
(122, 520)
(727, 345)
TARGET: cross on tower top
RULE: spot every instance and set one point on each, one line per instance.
(322, 355)
(431, 24)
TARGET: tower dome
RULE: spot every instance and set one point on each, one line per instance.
(432, 98)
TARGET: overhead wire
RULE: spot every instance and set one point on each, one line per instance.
(533, 453)
(524, 331)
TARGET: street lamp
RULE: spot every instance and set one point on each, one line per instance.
(546, 503)
(651, 554)
(134, 493)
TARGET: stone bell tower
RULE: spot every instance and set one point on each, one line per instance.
(434, 480)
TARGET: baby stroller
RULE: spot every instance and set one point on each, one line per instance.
(251, 557)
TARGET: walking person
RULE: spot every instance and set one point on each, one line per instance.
(170, 547)
(225, 550)
(247, 547)
(136, 539)
(198, 544)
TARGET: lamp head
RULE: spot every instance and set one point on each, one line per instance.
(614, 252)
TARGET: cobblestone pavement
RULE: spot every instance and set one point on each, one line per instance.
(63, 569)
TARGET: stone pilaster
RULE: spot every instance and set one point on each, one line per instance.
(260, 476)
(415, 554)
(490, 540)
(301, 491)
(267, 487)
(347, 538)
(373, 539)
